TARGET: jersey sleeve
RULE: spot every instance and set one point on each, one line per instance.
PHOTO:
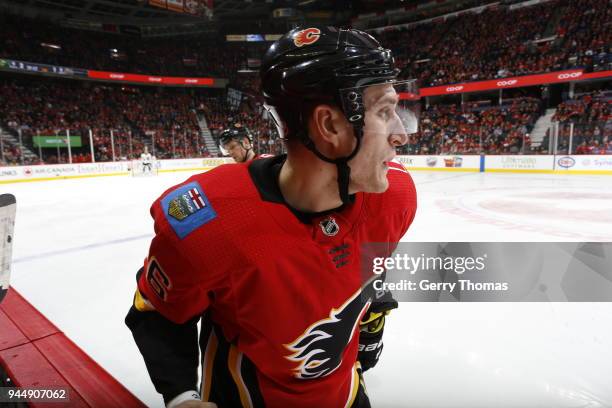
(163, 317)
(178, 276)
(169, 282)
(400, 202)
(186, 264)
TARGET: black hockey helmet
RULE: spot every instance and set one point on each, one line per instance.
(234, 132)
(323, 65)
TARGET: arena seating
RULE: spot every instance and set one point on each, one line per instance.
(589, 118)
(499, 42)
(476, 128)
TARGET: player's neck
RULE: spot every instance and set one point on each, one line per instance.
(308, 184)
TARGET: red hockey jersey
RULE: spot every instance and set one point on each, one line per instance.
(282, 292)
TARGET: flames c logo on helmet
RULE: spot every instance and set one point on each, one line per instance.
(318, 351)
(306, 37)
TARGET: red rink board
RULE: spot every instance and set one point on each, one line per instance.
(35, 353)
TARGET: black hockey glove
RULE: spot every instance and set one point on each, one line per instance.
(371, 331)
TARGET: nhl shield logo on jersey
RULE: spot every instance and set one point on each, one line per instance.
(318, 351)
(306, 37)
(329, 226)
(187, 208)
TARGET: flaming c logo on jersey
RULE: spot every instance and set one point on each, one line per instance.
(306, 37)
(318, 351)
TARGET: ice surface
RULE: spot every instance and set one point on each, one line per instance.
(79, 243)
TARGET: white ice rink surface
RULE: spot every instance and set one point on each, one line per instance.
(79, 243)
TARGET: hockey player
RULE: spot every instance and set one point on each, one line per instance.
(269, 251)
(237, 141)
(146, 160)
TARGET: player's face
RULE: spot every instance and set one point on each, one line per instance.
(383, 132)
(237, 149)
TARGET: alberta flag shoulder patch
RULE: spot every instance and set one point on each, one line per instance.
(187, 209)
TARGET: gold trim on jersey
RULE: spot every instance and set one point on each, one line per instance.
(208, 362)
(355, 381)
(141, 304)
(234, 362)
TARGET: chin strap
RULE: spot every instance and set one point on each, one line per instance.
(246, 153)
(344, 171)
(344, 177)
(246, 157)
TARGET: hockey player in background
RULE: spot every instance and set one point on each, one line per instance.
(237, 142)
(268, 252)
(147, 160)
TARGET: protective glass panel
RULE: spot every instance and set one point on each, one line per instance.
(272, 113)
(389, 108)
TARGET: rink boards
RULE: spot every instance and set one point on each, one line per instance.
(559, 164)
(18, 174)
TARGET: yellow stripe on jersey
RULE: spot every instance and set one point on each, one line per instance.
(207, 364)
(361, 380)
(234, 364)
(355, 377)
(141, 304)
